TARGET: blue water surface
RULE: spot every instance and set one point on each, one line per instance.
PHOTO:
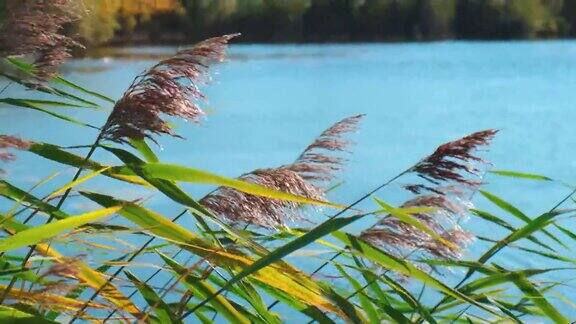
(269, 101)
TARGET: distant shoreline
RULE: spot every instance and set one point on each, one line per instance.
(239, 41)
(124, 51)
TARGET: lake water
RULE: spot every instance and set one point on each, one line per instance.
(268, 102)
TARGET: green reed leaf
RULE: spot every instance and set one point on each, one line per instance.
(512, 210)
(520, 175)
(538, 299)
(174, 172)
(75, 86)
(35, 235)
(280, 275)
(145, 150)
(548, 255)
(49, 90)
(354, 314)
(202, 289)
(56, 154)
(308, 310)
(535, 225)
(35, 106)
(87, 275)
(502, 223)
(410, 300)
(402, 266)
(12, 315)
(365, 302)
(14, 193)
(248, 292)
(408, 218)
(319, 231)
(161, 309)
(30, 70)
(384, 298)
(77, 182)
(49, 103)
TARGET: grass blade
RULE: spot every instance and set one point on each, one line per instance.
(14, 316)
(202, 289)
(520, 175)
(145, 150)
(161, 309)
(502, 223)
(512, 210)
(51, 301)
(174, 172)
(78, 181)
(318, 232)
(365, 302)
(537, 298)
(34, 106)
(56, 154)
(279, 275)
(406, 217)
(535, 225)
(74, 86)
(14, 193)
(38, 102)
(403, 267)
(35, 235)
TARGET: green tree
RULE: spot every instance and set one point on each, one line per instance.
(436, 18)
(331, 20)
(506, 19)
(389, 19)
(100, 24)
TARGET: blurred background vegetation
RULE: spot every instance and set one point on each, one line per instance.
(180, 21)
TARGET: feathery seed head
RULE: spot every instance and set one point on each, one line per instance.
(451, 159)
(300, 178)
(402, 238)
(315, 164)
(170, 88)
(239, 207)
(448, 190)
(35, 28)
(10, 142)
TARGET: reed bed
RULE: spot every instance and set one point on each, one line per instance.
(124, 262)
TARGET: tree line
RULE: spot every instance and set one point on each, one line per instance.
(157, 21)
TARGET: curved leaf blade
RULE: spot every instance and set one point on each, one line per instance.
(35, 235)
(520, 175)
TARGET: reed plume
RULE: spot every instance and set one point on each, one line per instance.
(315, 163)
(170, 88)
(36, 29)
(8, 142)
(68, 267)
(450, 159)
(304, 177)
(451, 177)
(239, 207)
(60, 278)
(401, 238)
